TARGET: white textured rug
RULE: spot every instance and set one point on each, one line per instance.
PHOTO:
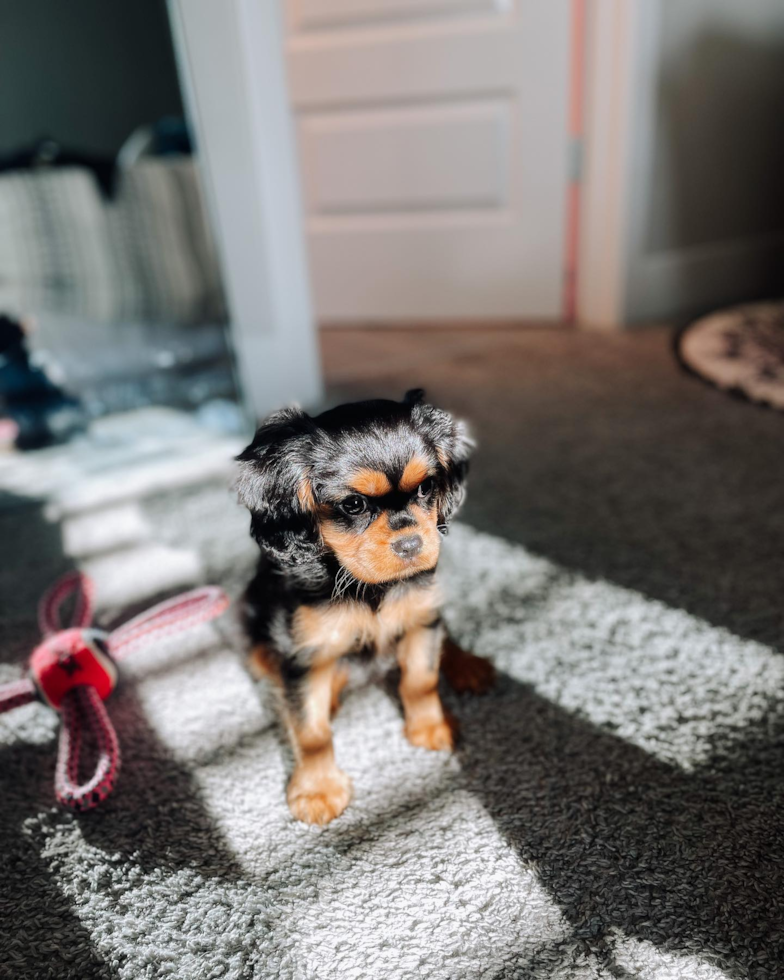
(614, 809)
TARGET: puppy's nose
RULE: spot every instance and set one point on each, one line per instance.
(408, 546)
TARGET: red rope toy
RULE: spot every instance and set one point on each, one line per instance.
(74, 671)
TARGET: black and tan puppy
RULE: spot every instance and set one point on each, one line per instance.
(348, 509)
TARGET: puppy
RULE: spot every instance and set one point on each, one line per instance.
(348, 509)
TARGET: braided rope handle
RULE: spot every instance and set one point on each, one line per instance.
(75, 584)
(17, 693)
(180, 613)
(82, 709)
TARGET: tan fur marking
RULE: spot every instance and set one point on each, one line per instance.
(427, 725)
(305, 495)
(313, 732)
(318, 798)
(261, 665)
(417, 469)
(369, 556)
(406, 611)
(332, 629)
(371, 483)
(318, 791)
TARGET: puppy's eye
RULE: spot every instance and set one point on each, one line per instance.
(425, 488)
(353, 505)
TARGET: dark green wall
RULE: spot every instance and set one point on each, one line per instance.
(85, 72)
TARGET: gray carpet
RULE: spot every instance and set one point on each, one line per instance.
(615, 806)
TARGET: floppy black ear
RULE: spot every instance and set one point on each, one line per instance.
(453, 445)
(273, 484)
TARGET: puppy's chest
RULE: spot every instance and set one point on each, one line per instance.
(334, 629)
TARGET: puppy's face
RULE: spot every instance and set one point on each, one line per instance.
(380, 518)
(374, 483)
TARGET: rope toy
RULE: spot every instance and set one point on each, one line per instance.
(74, 670)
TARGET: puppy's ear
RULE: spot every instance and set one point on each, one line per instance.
(274, 485)
(453, 446)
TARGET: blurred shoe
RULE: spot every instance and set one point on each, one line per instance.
(43, 413)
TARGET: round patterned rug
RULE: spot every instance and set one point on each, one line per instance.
(740, 350)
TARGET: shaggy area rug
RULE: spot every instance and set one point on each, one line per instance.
(615, 808)
(740, 350)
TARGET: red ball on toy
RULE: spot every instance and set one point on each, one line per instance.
(73, 658)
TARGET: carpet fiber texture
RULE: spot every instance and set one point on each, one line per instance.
(614, 809)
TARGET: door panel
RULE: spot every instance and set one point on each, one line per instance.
(432, 141)
(404, 159)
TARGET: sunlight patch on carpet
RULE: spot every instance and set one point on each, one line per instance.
(656, 677)
(537, 850)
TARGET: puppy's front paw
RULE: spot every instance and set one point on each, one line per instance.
(318, 799)
(439, 736)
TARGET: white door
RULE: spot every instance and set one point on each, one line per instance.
(432, 140)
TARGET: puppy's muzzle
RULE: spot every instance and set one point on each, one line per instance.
(408, 546)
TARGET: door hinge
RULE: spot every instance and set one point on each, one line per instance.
(576, 159)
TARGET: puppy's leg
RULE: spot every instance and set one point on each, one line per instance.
(262, 665)
(465, 671)
(318, 791)
(427, 725)
(339, 681)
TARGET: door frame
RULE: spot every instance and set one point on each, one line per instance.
(621, 281)
(230, 54)
(609, 215)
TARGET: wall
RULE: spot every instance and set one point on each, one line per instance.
(707, 195)
(85, 72)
